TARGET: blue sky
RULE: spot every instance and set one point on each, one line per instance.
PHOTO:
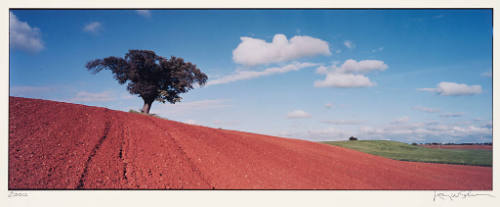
(405, 75)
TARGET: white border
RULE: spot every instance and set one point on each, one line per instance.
(230, 198)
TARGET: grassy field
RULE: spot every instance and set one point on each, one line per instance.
(406, 152)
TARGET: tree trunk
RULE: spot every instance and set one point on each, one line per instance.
(146, 107)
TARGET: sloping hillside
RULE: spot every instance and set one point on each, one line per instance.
(55, 145)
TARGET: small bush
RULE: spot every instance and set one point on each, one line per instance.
(352, 138)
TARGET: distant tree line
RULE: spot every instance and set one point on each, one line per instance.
(450, 143)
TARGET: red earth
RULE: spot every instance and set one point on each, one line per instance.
(54, 145)
(475, 146)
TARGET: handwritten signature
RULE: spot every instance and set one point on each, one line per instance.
(17, 194)
(459, 195)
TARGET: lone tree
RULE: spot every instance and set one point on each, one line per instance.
(150, 76)
(352, 138)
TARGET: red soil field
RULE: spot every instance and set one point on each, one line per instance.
(480, 147)
(54, 145)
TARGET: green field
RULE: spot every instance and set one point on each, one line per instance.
(406, 152)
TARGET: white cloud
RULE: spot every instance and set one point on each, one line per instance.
(425, 109)
(343, 80)
(451, 115)
(322, 70)
(84, 96)
(471, 130)
(23, 36)
(252, 51)
(364, 66)
(328, 105)
(93, 27)
(423, 130)
(298, 114)
(454, 89)
(144, 13)
(342, 122)
(338, 51)
(349, 44)
(426, 132)
(247, 74)
(406, 131)
(350, 74)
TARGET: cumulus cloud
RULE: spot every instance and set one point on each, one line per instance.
(298, 114)
(454, 89)
(93, 27)
(349, 44)
(328, 105)
(252, 51)
(23, 36)
(144, 13)
(425, 109)
(249, 74)
(343, 80)
(364, 66)
(84, 96)
(351, 74)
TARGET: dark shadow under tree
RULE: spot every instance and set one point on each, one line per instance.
(151, 77)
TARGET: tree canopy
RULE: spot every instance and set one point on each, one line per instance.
(151, 77)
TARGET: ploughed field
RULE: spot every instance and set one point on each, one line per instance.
(54, 145)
